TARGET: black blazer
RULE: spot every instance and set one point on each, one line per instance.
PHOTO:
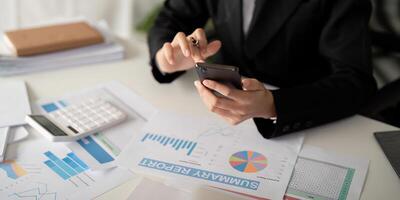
(316, 51)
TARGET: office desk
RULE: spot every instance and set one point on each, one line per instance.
(352, 136)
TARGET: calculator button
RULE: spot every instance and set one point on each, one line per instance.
(99, 122)
(91, 125)
(106, 105)
(80, 129)
(54, 116)
(85, 129)
(62, 112)
(85, 121)
(118, 114)
(108, 118)
(68, 120)
(101, 112)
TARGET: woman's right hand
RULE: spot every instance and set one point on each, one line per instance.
(180, 54)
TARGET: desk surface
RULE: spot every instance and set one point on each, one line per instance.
(352, 136)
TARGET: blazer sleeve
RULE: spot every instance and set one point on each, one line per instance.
(345, 43)
(175, 16)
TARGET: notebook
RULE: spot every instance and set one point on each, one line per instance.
(32, 41)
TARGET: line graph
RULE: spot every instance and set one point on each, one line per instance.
(217, 130)
(39, 191)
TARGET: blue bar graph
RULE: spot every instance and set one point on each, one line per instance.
(66, 167)
(95, 150)
(77, 160)
(56, 169)
(174, 143)
(60, 163)
(73, 165)
(191, 148)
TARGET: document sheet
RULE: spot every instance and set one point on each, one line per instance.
(232, 158)
(326, 176)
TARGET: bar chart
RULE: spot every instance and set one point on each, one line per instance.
(95, 150)
(171, 142)
(69, 168)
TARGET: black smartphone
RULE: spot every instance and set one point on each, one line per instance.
(224, 74)
(390, 144)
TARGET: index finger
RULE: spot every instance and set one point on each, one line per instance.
(181, 41)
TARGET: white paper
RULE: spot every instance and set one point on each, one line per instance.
(322, 175)
(39, 169)
(17, 133)
(154, 190)
(149, 189)
(4, 133)
(207, 152)
(293, 141)
(100, 150)
(14, 103)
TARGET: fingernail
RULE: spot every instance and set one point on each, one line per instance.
(200, 61)
(206, 82)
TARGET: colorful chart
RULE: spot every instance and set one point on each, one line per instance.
(248, 161)
(12, 169)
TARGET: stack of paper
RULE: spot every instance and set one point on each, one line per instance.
(107, 51)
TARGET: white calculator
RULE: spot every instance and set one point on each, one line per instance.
(77, 121)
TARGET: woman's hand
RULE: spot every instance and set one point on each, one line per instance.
(180, 54)
(238, 105)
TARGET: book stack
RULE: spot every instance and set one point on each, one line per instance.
(57, 46)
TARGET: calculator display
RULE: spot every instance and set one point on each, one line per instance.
(48, 125)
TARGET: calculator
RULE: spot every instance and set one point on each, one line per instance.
(77, 120)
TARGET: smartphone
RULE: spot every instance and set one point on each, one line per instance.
(390, 144)
(224, 74)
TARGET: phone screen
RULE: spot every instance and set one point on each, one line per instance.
(225, 74)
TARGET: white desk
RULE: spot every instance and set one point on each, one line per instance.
(352, 136)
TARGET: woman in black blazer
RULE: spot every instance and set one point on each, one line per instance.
(316, 51)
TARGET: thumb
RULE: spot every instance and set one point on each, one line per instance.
(212, 48)
(252, 84)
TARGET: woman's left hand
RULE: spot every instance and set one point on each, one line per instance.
(237, 105)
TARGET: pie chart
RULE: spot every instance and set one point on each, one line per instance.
(248, 161)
